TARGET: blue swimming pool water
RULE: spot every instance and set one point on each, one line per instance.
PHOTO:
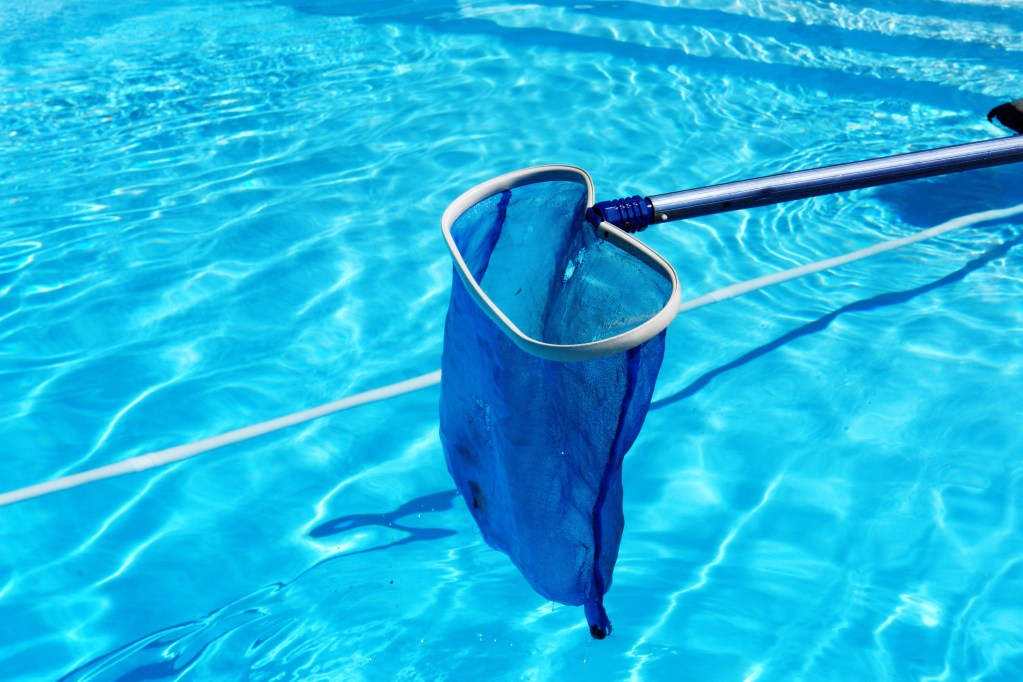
(215, 214)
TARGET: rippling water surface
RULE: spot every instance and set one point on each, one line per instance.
(212, 214)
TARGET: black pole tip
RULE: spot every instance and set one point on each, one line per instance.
(1009, 114)
(596, 616)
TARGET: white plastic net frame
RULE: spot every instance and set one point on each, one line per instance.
(610, 233)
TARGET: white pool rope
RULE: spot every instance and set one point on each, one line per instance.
(180, 452)
(746, 287)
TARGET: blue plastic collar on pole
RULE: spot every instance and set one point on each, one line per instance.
(632, 214)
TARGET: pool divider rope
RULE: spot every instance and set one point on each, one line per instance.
(182, 452)
(746, 287)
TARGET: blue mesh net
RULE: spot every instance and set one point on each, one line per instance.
(535, 446)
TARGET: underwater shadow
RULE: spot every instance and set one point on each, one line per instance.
(959, 192)
(147, 657)
(433, 502)
(822, 323)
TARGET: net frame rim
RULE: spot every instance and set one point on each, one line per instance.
(551, 351)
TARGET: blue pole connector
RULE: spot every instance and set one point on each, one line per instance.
(632, 214)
